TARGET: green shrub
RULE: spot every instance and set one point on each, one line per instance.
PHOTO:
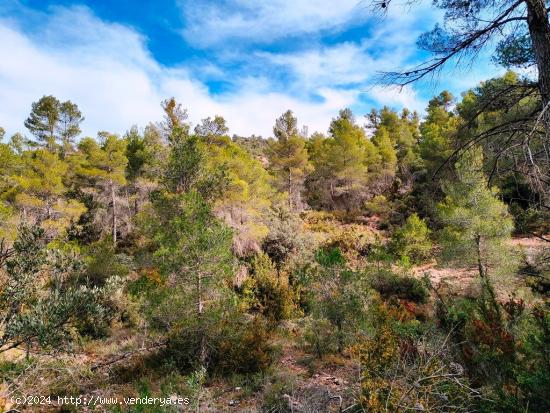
(412, 240)
(320, 338)
(266, 292)
(103, 263)
(42, 303)
(407, 373)
(237, 344)
(274, 400)
(379, 205)
(339, 298)
(328, 257)
(352, 240)
(389, 284)
(242, 347)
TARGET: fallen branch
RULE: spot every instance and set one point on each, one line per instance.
(127, 355)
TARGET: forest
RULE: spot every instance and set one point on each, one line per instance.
(178, 260)
(398, 262)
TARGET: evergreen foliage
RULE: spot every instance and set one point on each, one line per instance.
(412, 241)
(179, 253)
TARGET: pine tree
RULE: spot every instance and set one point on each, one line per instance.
(68, 126)
(194, 254)
(476, 223)
(55, 124)
(242, 193)
(412, 241)
(346, 160)
(39, 192)
(104, 168)
(186, 163)
(175, 117)
(437, 130)
(288, 159)
(387, 167)
(147, 157)
(211, 130)
(43, 120)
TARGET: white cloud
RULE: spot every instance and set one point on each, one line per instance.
(210, 22)
(343, 64)
(109, 73)
(396, 97)
(110, 86)
(389, 44)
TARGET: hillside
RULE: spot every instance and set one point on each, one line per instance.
(378, 267)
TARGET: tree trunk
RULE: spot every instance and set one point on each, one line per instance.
(332, 193)
(113, 201)
(51, 140)
(486, 284)
(479, 261)
(200, 310)
(290, 190)
(539, 30)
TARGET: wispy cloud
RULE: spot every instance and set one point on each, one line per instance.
(110, 74)
(340, 65)
(107, 68)
(398, 97)
(211, 22)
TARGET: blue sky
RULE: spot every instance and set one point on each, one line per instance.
(243, 59)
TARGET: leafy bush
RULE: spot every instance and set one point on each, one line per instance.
(352, 240)
(265, 292)
(319, 337)
(533, 376)
(103, 263)
(389, 284)
(505, 349)
(412, 240)
(242, 346)
(400, 374)
(339, 298)
(330, 257)
(237, 344)
(41, 299)
(378, 205)
(284, 238)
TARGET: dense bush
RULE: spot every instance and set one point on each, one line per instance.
(237, 344)
(42, 300)
(242, 346)
(103, 262)
(504, 348)
(389, 284)
(319, 337)
(265, 291)
(412, 240)
(396, 382)
(338, 297)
